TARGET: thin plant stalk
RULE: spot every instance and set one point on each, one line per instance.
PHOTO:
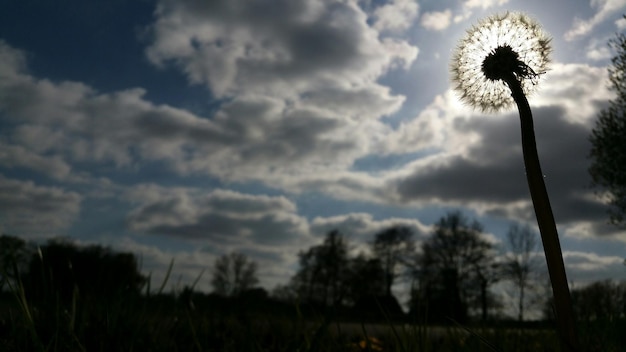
(545, 219)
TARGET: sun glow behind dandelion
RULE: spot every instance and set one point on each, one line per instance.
(523, 35)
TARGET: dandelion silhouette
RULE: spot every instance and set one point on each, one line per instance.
(496, 64)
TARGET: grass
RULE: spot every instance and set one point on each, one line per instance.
(163, 322)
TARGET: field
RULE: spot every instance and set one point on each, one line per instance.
(164, 323)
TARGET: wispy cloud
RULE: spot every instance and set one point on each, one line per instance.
(604, 9)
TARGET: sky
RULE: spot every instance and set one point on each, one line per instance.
(188, 129)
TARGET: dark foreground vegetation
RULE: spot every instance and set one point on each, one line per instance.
(64, 297)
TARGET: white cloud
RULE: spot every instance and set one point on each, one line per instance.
(283, 50)
(297, 125)
(483, 4)
(219, 217)
(250, 137)
(397, 15)
(469, 6)
(586, 230)
(604, 9)
(577, 87)
(27, 209)
(436, 20)
(597, 53)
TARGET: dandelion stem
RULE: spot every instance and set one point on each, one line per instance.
(545, 219)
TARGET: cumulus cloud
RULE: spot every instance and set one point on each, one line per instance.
(266, 228)
(598, 50)
(479, 162)
(282, 48)
(604, 9)
(249, 137)
(580, 88)
(363, 226)
(31, 210)
(219, 217)
(589, 267)
(15, 156)
(494, 169)
(436, 20)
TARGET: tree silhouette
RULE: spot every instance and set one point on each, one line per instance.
(608, 138)
(600, 300)
(392, 247)
(366, 278)
(14, 255)
(520, 264)
(323, 270)
(455, 268)
(62, 268)
(233, 274)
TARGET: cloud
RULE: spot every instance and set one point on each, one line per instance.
(280, 49)
(468, 7)
(397, 15)
(598, 50)
(221, 217)
(483, 4)
(34, 211)
(14, 156)
(251, 137)
(363, 226)
(594, 228)
(436, 20)
(493, 166)
(579, 88)
(604, 9)
(477, 161)
(590, 267)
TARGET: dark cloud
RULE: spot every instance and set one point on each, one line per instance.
(221, 217)
(589, 267)
(492, 171)
(363, 227)
(30, 210)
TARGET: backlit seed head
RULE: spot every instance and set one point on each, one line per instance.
(498, 48)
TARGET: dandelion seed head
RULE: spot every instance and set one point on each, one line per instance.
(499, 46)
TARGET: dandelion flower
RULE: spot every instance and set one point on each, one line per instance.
(500, 47)
(497, 64)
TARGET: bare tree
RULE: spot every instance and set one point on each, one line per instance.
(455, 268)
(521, 264)
(324, 270)
(233, 274)
(392, 247)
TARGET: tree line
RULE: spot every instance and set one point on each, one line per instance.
(448, 276)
